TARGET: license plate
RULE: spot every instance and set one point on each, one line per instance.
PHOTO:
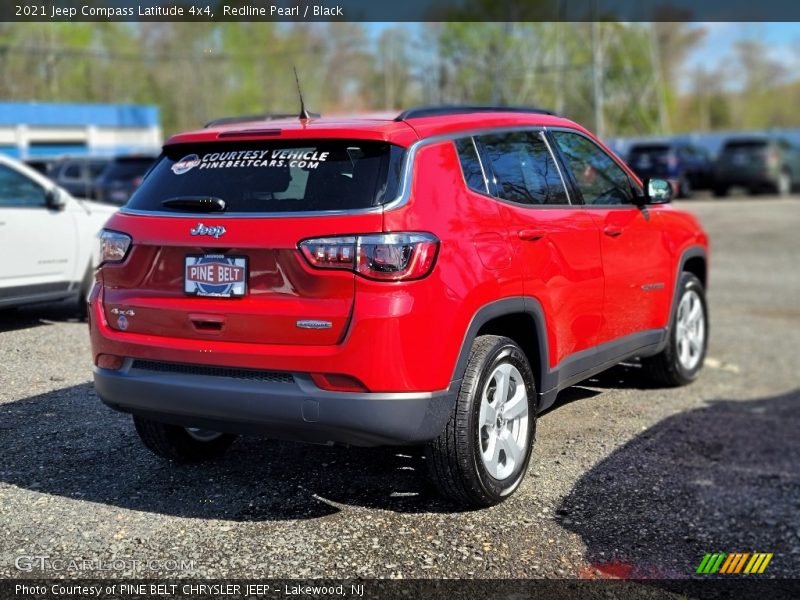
(215, 275)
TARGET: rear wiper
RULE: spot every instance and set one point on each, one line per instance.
(196, 203)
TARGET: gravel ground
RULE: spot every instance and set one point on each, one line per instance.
(626, 479)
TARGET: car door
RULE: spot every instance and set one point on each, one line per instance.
(37, 243)
(635, 257)
(556, 243)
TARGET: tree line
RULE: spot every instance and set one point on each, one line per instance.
(621, 78)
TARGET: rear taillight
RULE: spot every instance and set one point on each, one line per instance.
(112, 247)
(385, 256)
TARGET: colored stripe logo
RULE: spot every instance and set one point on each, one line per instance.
(735, 563)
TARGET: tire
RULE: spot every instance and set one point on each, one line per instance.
(179, 444)
(720, 191)
(455, 459)
(680, 362)
(783, 186)
(684, 187)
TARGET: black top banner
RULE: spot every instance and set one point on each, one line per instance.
(407, 11)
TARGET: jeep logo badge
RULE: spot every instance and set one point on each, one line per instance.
(215, 231)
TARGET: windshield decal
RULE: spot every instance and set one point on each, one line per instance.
(187, 163)
(299, 158)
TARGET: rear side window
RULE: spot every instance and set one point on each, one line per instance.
(471, 165)
(523, 168)
(275, 176)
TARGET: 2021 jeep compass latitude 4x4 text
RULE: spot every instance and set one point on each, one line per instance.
(433, 279)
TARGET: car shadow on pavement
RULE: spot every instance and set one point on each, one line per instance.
(722, 478)
(623, 376)
(37, 316)
(67, 443)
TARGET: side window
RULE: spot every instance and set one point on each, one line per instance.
(599, 179)
(16, 190)
(96, 169)
(71, 171)
(471, 165)
(524, 169)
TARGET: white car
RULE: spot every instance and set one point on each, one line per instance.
(47, 238)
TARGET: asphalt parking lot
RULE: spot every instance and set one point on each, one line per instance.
(625, 480)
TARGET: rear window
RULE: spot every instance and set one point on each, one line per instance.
(744, 145)
(275, 176)
(128, 169)
(653, 151)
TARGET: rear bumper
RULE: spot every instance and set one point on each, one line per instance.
(293, 410)
(747, 179)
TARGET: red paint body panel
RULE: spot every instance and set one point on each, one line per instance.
(563, 270)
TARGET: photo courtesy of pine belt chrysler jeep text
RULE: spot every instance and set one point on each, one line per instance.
(433, 279)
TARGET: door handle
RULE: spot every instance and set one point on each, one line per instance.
(612, 231)
(530, 235)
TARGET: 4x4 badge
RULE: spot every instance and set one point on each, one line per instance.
(214, 231)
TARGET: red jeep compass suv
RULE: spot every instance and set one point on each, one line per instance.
(433, 279)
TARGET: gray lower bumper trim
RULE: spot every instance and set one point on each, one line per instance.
(297, 411)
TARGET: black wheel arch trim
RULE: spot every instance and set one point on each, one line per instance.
(585, 363)
(686, 255)
(500, 308)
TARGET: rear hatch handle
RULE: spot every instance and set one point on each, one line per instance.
(204, 323)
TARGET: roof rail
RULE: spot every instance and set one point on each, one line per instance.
(251, 118)
(438, 111)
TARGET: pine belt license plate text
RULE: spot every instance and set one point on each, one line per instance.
(215, 275)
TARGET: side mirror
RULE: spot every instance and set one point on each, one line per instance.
(55, 198)
(657, 191)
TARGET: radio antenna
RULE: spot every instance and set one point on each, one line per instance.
(304, 116)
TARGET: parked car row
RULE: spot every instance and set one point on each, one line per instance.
(758, 163)
(106, 179)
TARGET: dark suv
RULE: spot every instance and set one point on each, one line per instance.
(78, 174)
(432, 279)
(686, 166)
(759, 163)
(121, 178)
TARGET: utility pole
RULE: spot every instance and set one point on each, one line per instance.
(661, 87)
(559, 107)
(597, 78)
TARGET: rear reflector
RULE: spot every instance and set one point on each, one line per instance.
(109, 361)
(334, 382)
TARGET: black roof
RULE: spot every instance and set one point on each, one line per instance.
(453, 109)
